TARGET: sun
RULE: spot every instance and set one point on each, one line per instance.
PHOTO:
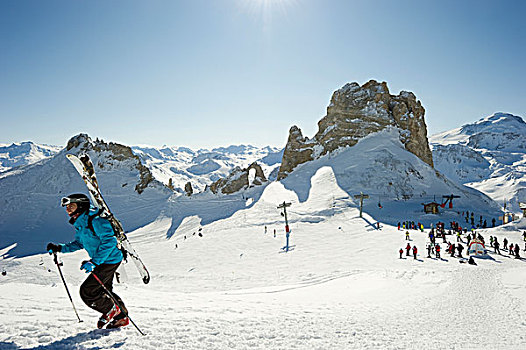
(265, 9)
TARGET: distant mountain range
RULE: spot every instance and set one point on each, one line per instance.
(202, 167)
(24, 153)
(181, 164)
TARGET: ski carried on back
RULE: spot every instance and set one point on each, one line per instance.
(85, 168)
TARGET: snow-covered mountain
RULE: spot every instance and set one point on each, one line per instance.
(30, 194)
(489, 155)
(203, 167)
(24, 153)
(181, 164)
(378, 165)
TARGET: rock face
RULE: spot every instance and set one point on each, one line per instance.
(114, 151)
(188, 189)
(354, 112)
(239, 179)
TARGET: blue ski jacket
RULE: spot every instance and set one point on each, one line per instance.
(101, 245)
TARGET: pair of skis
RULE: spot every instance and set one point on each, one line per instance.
(85, 168)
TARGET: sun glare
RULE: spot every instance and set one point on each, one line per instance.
(265, 9)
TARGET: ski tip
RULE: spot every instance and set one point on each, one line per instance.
(146, 279)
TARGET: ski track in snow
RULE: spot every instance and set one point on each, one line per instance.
(464, 314)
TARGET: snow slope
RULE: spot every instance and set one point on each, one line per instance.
(341, 286)
(30, 198)
(488, 155)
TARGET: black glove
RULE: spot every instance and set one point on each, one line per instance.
(53, 248)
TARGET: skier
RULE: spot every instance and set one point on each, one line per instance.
(398, 226)
(453, 250)
(511, 249)
(437, 250)
(517, 250)
(496, 245)
(505, 243)
(407, 249)
(460, 248)
(265, 229)
(429, 250)
(401, 251)
(407, 236)
(493, 222)
(95, 234)
(524, 236)
(491, 241)
(414, 251)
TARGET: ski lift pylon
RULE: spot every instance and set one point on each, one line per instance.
(448, 198)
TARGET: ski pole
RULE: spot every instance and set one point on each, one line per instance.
(110, 294)
(55, 259)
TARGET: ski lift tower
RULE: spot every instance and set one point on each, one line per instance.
(449, 198)
(284, 206)
(362, 197)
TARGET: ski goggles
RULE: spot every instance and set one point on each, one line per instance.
(66, 200)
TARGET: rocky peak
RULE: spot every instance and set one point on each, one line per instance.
(82, 143)
(239, 179)
(354, 112)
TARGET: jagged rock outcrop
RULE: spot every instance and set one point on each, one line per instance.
(113, 151)
(354, 112)
(239, 179)
(188, 189)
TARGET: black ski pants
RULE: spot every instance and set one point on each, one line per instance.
(94, 295)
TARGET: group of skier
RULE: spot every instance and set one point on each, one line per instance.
(199, 233)
(434, 248)
(410, 225)
(513, 249)
(408, 249)
(482, 223)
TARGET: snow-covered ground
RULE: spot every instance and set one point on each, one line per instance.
(342, 286)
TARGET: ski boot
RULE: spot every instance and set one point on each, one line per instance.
(107, 317)
(118, 322)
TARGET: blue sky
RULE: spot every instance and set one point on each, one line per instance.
(206, 73)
